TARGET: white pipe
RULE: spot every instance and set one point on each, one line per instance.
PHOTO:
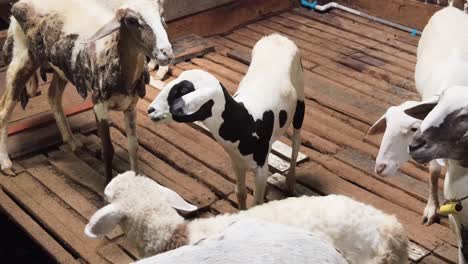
(325, 7)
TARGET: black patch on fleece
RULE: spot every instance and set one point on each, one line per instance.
(177, 104)
(253, 135)
(283, 117)
(299, 114)
(179, 90)
(201, 114)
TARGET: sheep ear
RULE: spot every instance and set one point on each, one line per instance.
(109, 28)
(420, 111)
(103, 221)
(379, 126)
(176, 201)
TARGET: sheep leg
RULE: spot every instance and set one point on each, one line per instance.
(291, 179)
(462, 236)
(241, 189)
(130, 127)
(152, 65)
(20, 70)
(102, 116)
(430, 212)
(55, 96)
(162, 71)
(261, 176)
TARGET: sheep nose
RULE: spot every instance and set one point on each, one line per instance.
(151, 110)
(416, 144)
(168, 53)
(380, 168)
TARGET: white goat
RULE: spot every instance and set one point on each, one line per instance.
(109, 63)
(443, 135)
(362, 233)
(269, 97)
(436, 69)
(259, 242)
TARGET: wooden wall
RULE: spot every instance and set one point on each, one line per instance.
(410, 13)
(221, 18)
(181, 8)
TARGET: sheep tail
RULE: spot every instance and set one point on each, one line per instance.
(394, 246)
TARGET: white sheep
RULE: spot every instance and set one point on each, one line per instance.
(270, 97)
(254, 241)
(442, 61)
(363, 234)
(452, 3)
(443, 135)
(109, 63)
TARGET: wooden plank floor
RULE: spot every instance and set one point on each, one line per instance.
(354, 70)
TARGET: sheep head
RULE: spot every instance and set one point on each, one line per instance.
(443, 133)
(131, 197)
(194, 96)
(398, 129)
(143, 21)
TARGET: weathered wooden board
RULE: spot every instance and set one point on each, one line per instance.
(190, 46)
(407, 12)
(226, 17)
(35, 231)
(180, 8)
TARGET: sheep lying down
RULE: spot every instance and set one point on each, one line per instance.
(146, 211)
(254, 241)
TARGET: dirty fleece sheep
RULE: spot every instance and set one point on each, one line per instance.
(443, 134)
(109, 63)
(363, 234)
(270, 97)
(436, 69)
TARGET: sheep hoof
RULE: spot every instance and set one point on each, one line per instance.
(162, 71)
(7, 167)
(152, 65)
(9, 172)
(430, 216)
(74, 144)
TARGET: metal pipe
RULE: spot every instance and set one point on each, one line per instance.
(330, 5)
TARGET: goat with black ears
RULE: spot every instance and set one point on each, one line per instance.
(270, 97)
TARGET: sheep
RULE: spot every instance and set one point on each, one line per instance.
(109, 63)
(259, 241)
(452, 3)
(442, 135)
(436, 69)
(360, 232)
(270, 97)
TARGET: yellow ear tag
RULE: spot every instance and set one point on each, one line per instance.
(450, 208)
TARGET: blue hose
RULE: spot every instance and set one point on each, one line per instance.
(309, 4)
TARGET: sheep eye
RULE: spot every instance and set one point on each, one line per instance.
(413, 129)
(132, 21)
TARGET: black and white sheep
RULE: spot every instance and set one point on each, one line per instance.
(436, 70)
(443, 134)
(270, 97)
(110, 63)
